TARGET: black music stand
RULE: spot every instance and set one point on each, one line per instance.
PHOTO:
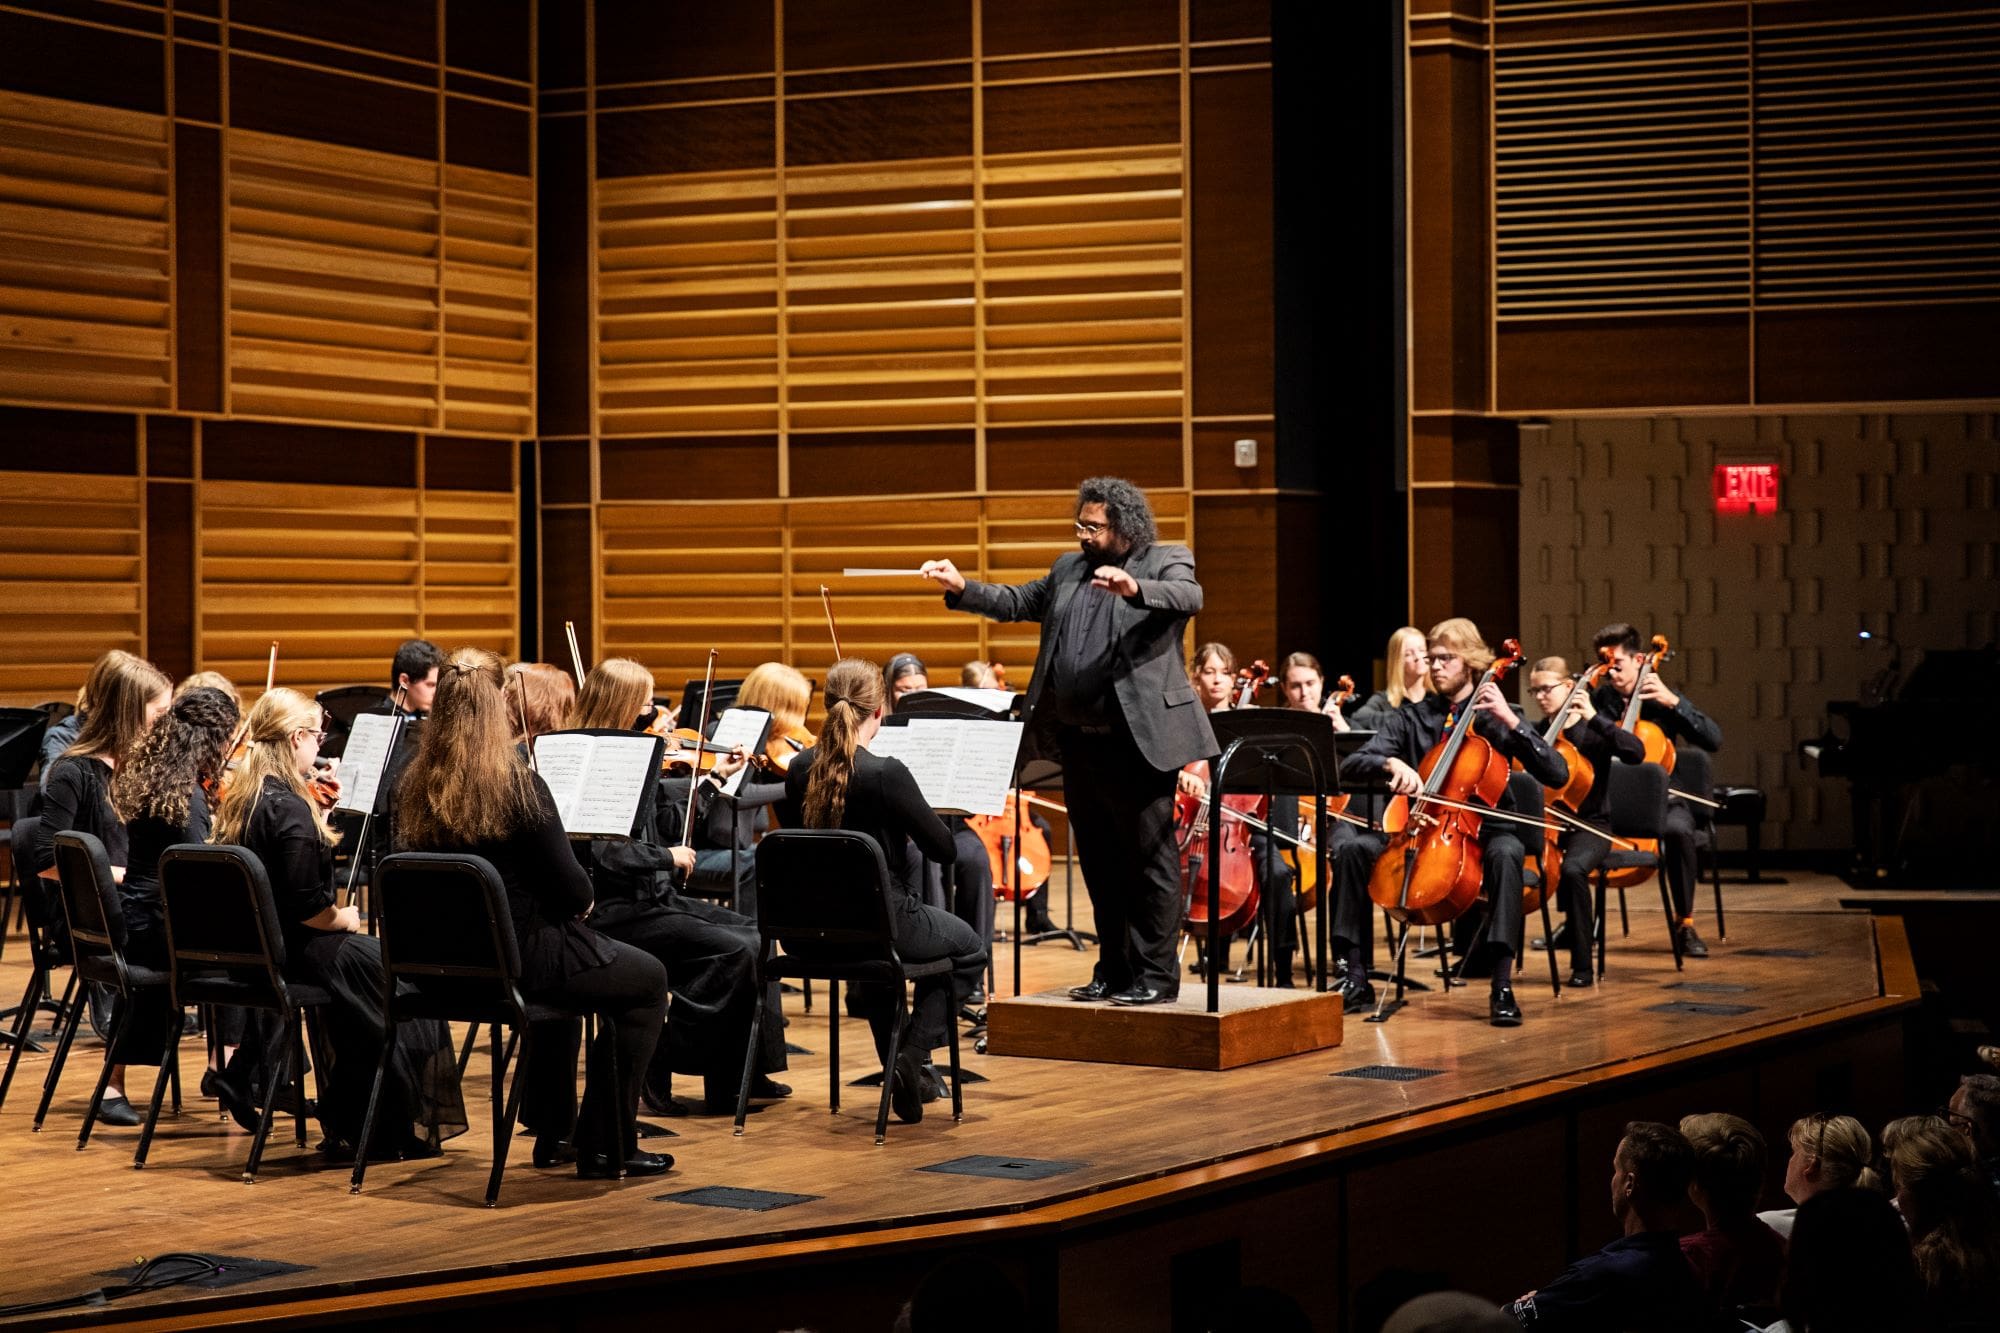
(724, 696)
(1270, 752)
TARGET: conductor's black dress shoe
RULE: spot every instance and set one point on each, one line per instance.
(1137, 995)
(1096, 990)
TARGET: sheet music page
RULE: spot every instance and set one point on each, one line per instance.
(562, 759)
(982, 767)
(747, 727)
(360, 769)
(993, 701)
(927, 751)
(614, 782)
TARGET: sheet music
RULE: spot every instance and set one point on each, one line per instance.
(748, 727)
(962, 765)
(993, 701)
(361, 763)
(597, 781)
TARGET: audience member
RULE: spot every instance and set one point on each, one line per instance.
(1735, 1257)
(1849, 1268)
(1828, 1152)
(1448, 1312)
(1974, 1111)
(1639, 1282)
(1948, 1204)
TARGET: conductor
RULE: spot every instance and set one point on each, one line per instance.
(1110, 700)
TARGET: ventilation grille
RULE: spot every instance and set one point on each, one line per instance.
(85, 262)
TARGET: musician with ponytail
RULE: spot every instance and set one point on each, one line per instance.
(838, 784)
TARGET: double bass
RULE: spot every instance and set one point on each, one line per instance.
(1432, 868)
(1659, 750)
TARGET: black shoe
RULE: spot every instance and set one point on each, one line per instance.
(766, 1088)
(115, 1110)
(1580, 979)
(1691, 945)
(239, 1104)
(906, 1088)
(653, 1094)
(1356, 992)
(1562, 938)
(977, 999)
(1098, 989)
(1503, 1010)
(933, 1083)
(601, 1166)
(1133, 996)
(554, 1152)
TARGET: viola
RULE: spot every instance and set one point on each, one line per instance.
(1571, 795)
(1237, 896)
(1308, 866)
(1432, 868)
(1659, 750)
(1032, 856)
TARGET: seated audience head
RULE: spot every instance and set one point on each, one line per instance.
(1828, 1152)
(779, 690)
(127, 695)
(415, 672)
(1302, 680)
(1849, 1267)
(542, 696)
(1406, 666)
(854, 696)
(1947, 1201)
(1649, 1175)
(1212, 670)
(213, 680)
(1729, 1160)
(467, 783)
(614, 694)
(184, 751)
(1974, 1110)
(906, 674)
(1449, 1312)
(281, 738)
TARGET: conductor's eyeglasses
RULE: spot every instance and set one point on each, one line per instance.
(1091, 529)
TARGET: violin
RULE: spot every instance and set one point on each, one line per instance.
(1238, 895)
(1659, 750)
(1432, 868)
(1571, 795)
(784, 747)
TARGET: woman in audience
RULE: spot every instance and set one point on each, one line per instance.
(1849, 1268)
(1735, 1257)
(469, 790)
(1948, 1205)
(268, 810)
(1828, 1152)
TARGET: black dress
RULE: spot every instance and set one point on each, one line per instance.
(565, 962)
(74, 798)
(144, 1034)
(884, 802)
(421, 1093)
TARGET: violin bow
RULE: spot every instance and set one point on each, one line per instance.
(575, 657)
(520, 693)
(701, 738)
(832, 631)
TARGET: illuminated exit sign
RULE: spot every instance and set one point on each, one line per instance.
(1746, 488)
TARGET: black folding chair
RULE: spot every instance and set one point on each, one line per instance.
(226, 947)
(97, 935)
(1637, 804)
(45, 955)
(823, 894)
(1694, 775)
(449, 949)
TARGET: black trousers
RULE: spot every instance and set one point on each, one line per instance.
(923, 934)
(629, 997)
(1121, 810)
(1353, 911)
(1677, 857)
(1582, 854)
(971, 896)
(710, 954)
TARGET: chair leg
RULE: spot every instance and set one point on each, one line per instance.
(889, 1071)
(280, 1061)
(1715, 873)
(174, 1072)
(1673, 919)
(119, 1014)
(833, 1046)
(169, 1058)
(1602, 927)
(23, 1021)
(54, 1074)
(749, 1065)
(465, 1052)
(503, 1130)
(298, 1071)
(957, 1093)
(374, 1100)
(1549, 934)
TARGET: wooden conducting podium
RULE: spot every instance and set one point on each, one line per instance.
(1279, 753)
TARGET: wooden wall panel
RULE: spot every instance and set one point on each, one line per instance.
(70, 578)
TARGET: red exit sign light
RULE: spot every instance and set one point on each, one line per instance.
(1746, 488)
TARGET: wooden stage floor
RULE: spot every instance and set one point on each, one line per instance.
(419, 1233)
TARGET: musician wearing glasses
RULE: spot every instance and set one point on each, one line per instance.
(1110, 701)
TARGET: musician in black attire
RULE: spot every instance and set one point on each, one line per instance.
(1683, 724)
(1110, 698)
(1598, 741)
(468, 790)
(266, 810)
(1458, 656)
(838, 784)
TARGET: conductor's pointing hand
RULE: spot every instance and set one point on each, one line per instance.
(945, 574)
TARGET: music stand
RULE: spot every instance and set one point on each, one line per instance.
(691, 695)
(1271, 752)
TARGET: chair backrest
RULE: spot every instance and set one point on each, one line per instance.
(221, 918)
(446, 927)
(21, 847)
(1694, 773)
(1638, 800)
(21, 732)
(90, 896)
(825, 885)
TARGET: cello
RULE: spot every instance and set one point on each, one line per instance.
(1659, 750)
(1239, 895)
(1432, 868)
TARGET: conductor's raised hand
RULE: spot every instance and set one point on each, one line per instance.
(945, 574)
(1490, 700)
(1115, 579)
